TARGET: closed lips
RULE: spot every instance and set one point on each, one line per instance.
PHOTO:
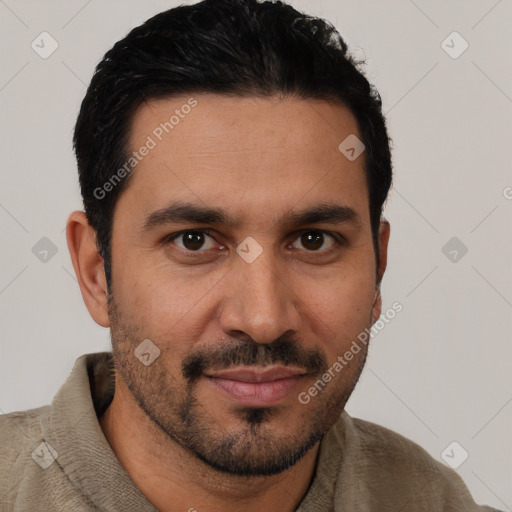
(257, 387)
(256, 375)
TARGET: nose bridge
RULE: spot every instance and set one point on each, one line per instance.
(262, 304)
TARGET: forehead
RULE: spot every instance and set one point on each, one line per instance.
(243, 153)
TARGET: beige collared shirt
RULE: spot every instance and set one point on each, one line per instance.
(56, 459)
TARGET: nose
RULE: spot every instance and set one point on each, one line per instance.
(261, 302)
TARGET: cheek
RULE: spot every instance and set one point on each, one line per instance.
(165, 305)
(340, 308)
(347, 290)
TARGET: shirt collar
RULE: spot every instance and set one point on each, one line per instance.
(72, 428)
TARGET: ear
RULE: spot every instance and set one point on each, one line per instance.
(383, 240)
(88, 265)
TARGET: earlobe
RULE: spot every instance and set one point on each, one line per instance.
(384, 232)
(88, 265)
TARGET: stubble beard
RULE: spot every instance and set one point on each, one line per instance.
(251, 449)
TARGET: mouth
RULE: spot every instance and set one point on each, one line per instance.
(257, 386)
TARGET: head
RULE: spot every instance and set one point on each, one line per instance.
(223, 223)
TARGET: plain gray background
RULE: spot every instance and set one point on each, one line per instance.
(440, 371)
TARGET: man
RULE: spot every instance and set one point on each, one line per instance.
(233, 164)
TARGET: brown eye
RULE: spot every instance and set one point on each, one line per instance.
(314, 240)
(193, 240)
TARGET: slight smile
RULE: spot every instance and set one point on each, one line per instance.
(253, 386)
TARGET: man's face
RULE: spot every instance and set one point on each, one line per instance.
(248, 310)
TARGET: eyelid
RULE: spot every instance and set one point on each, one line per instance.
(177, 234)
(337, 237)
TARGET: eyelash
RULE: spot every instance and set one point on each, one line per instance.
(338, 239)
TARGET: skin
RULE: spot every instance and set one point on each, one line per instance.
(258, 159)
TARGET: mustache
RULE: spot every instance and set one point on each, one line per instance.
(250, 353)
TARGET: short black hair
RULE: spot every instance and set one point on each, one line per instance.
(232, 47)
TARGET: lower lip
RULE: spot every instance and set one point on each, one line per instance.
(256, 394)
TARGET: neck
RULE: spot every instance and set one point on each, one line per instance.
(174, 479)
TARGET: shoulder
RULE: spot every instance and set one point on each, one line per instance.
(384, 451)
(379, 444)
(398, 471)
(21, 427)
(20, 433)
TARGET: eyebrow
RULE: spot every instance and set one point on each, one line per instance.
(183, 212)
